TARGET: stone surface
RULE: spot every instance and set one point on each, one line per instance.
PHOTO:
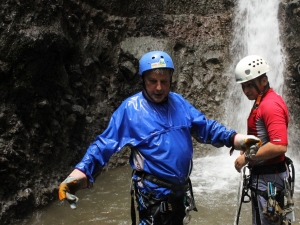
(65, 66)
(289, 16)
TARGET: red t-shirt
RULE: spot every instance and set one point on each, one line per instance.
(269, 122)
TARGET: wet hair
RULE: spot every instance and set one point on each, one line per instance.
(261, 77)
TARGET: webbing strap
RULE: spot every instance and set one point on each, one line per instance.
(255, 203)
(133, 216)
(257, 102)
(132, 190)
(264, 194)
(161, 182)
(158, 181)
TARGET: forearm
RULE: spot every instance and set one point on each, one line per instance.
(80, 176)
(269, 151)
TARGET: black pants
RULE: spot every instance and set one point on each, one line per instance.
(153, 213)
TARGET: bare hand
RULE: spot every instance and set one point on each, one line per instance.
(240, 162)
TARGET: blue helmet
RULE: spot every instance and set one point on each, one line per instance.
(154, 60)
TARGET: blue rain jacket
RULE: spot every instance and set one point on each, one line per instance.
(159, 134)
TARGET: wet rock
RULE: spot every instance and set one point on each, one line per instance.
(78, 110)
(66, 106)
(128, 70)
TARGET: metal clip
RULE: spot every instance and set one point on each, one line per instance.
(187, 217)
(271, 190)
(287, 193)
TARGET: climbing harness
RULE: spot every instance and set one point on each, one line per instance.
(279, 208)
(288, 193)
(272, 210)
(159, 211)
(280, 205)
(189, 204)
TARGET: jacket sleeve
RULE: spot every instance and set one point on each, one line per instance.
(104, 146)
(210, 131)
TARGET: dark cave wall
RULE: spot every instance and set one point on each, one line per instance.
(66, 65)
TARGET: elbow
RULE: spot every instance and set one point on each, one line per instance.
(281, 149)
(284, 149)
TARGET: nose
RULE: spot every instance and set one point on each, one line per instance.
(158, 86)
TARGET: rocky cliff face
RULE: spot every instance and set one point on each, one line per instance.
(65, 66)
(289, 15)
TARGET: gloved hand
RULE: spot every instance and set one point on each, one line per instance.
(247, 143)
(75, 181)
(67, 191)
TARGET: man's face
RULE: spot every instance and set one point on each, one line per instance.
(249, 89)
(157, 84)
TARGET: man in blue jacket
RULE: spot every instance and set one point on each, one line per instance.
(157, 125)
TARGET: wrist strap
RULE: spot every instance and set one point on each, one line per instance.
(247, 157)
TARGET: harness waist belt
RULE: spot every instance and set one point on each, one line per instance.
(160, 181)
(269, 169)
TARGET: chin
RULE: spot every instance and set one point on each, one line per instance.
(251, 98)
(158, 100)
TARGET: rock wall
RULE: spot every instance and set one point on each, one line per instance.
(289, 15)
(65, 66)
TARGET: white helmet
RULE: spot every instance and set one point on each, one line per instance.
(249, 68)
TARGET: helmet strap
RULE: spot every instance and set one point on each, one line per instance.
(261, 93)
(145, 91)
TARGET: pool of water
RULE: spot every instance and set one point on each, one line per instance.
(215, 184)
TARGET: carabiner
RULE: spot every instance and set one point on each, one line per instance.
(187, 217)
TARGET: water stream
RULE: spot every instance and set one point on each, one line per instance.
(214, 178)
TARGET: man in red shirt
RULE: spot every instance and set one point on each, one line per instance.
(268, 120)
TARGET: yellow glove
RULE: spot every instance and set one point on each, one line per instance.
(67, 191)
(75, 181)
(247, 143)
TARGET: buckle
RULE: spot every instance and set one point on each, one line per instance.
(163, 208)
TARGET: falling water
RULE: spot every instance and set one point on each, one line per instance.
(214, 178)
(260, 34)
(256, 32)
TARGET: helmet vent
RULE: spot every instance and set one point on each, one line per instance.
(249, 68)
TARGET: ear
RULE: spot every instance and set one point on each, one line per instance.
(265, 80)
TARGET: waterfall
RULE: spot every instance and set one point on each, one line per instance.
(261, 36)
(256, 32)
